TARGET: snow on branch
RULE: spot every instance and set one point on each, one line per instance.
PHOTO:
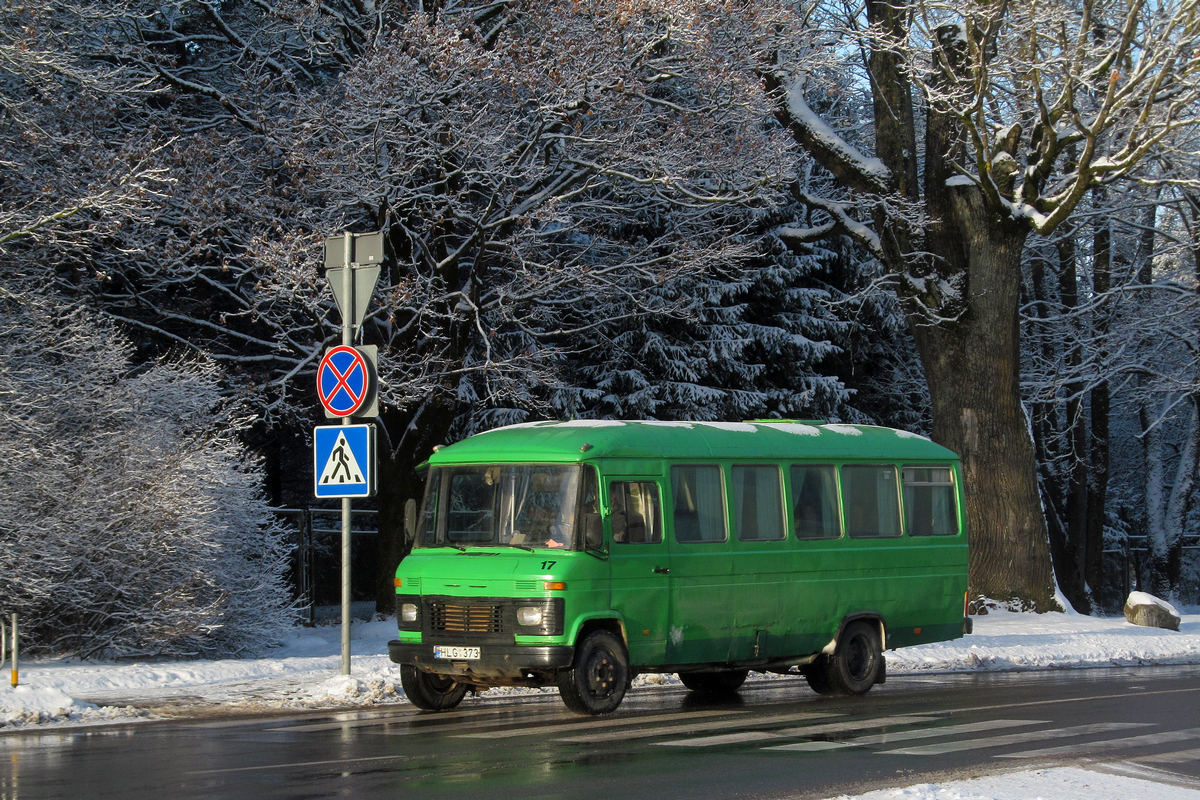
(858, 171)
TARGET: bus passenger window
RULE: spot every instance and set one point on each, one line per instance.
(635, 516)
(699, 504)
(758, 498)
(871, 502)
(814, 490)
(929, 507)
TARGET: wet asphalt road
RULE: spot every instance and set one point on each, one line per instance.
(777, 739)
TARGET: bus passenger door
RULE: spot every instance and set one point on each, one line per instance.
(640, 562)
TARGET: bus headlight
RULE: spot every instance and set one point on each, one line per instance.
(529, 616)
(408, 612)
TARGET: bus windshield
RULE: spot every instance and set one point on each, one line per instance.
(509, 505)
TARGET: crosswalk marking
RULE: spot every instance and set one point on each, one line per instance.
(909, 735)
(1015, 738)
(683, 730)
(1178, 757)
(1109, 745)
(605, 723)
(808, 730)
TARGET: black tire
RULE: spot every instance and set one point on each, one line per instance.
(598, 679)
(430, 692)
(857, 662)
(719, 684)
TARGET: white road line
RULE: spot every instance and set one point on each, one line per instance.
(808, 730)
(447, 719)
(1110, 745)
(683, 730)
(909, 735)
(609, 722)
(290, 765)
(1178, 757)
(1015, 738)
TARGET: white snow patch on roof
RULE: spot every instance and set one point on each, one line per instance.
(740, 427)
(848, 430)
(797, 428)
(517, 425)
(591, 423)
(658, 423)
(910, 435)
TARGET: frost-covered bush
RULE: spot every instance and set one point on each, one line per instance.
(132, 521)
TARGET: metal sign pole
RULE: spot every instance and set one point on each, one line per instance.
(347, 339)
(14, 649)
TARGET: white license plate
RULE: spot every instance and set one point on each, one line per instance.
(455, 653)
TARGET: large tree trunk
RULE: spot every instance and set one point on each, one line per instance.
(972, 365)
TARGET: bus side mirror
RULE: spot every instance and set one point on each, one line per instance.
(593, 533)
(410, 520)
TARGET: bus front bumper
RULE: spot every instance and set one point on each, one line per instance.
(494, 661)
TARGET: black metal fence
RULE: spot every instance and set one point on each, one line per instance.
(317, 558)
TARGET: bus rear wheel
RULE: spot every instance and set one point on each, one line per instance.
(857, 662)
(718, 684)
(430, 692)
(597, 680)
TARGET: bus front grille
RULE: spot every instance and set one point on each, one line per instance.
(469, 618)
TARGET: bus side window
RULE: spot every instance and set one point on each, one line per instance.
(758, 500)
(871, 501)
(814, 492)
(929, 507)
(635, 515)
(698, 503)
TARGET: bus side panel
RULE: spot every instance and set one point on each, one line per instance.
(764, 591)
(819, 591)
(702, 596)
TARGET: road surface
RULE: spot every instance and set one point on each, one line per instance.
(776, 739)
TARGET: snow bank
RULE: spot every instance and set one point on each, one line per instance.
(1064, 783)
(305, 673)
(23, 705)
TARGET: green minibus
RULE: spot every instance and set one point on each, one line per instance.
(582, 553)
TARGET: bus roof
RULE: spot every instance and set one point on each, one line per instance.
(586, 440)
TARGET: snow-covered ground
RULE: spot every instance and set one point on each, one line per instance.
(304, 673)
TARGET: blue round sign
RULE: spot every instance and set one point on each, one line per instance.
(343, 381)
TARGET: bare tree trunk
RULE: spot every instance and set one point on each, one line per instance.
(1100, 405)
(973, 366)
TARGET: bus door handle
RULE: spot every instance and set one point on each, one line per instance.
(661, 570)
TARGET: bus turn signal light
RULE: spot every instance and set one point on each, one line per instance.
(556, 586)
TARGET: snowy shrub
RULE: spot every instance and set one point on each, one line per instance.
(133, 522)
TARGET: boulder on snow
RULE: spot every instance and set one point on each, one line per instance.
(1147, 610)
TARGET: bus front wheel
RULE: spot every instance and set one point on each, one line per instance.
(596, 682)
(430, 692)
(857, 661)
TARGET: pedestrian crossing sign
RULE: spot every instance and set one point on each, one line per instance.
(344, 461)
